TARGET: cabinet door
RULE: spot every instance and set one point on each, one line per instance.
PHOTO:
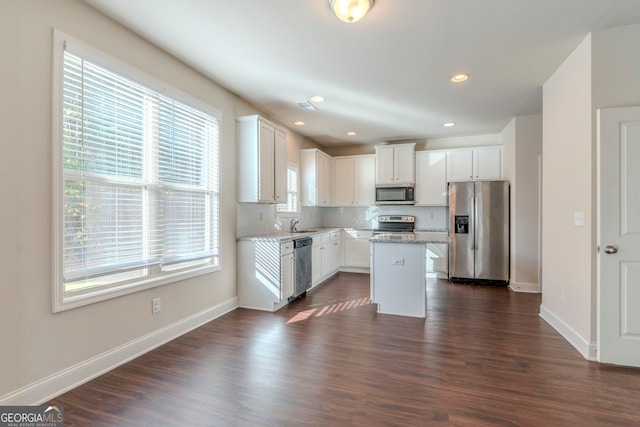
(437, 259)
(487, 163)
(331, 257)
(325, 180)
(280, 167)
(365, 183)
(385, 173)
(431, 178)
(287, 276)
(404, 164)
(344, 168)
(356, 253)
(316, 263)
(460, 165)
(265, 163)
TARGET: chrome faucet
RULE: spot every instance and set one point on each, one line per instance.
(292, 225)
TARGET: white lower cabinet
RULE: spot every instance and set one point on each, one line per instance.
(266, 274)
(325, 256)
(437, 260)
(355, 249)
(287, 270)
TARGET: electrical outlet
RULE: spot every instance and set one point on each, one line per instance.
(155, 305)
(398, 261)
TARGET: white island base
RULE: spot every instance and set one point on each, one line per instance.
(398, 278)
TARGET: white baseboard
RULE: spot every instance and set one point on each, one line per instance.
(587, 349)
(355, 270)
(54, 385)
(532, 288)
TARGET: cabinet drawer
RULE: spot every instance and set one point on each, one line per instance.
(330, 237)
(286, 248)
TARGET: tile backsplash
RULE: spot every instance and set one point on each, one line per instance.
(257, 219)
(427, 218)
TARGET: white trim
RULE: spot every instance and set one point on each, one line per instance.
(532, 288)
(363, 270)
(54, 385)
(585, 348)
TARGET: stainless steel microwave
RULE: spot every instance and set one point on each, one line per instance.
(394, 194)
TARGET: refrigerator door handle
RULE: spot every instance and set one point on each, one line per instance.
(475, 223)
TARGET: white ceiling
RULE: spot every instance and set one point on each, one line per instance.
(387, 76)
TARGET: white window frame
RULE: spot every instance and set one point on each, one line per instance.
(62, 300)
(279, 207)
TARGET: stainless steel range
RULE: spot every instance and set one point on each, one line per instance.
(397, 226)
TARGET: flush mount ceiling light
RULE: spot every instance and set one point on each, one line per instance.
(459, 78)
(351, 133)
(448, 125)
(298, 123)
(350, 10)
(317, 98)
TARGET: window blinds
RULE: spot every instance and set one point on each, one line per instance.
(140, 176)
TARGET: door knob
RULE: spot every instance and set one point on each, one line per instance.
(609, 249)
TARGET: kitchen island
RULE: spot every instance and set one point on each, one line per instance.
(399, 271)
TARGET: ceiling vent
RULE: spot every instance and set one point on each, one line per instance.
(307, 106)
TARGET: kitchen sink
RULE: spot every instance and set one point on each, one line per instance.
(304, 231)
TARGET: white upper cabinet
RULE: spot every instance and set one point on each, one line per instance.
(431, 178)
(317, 178)
(354, 180)
(395, 164)
(487, 163)
(484, 163)
(262, 161)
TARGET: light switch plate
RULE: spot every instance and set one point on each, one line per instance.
(578, 219)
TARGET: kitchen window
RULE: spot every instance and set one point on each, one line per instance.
(135, 179)
(292, 192)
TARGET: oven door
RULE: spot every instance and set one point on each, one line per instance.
(402, 195)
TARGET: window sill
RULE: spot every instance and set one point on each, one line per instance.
(63, 303)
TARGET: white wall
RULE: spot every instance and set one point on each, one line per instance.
(602, 72)
(522, 146)
(568, 157)
(48, 350)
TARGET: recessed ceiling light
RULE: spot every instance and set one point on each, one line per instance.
(458, 78)
(298, 123)
(351, 133)
(317, 98)
(448, 125)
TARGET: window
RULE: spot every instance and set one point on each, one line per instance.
(292, 192)
(135, 180)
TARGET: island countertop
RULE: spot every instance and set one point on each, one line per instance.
(419, 237)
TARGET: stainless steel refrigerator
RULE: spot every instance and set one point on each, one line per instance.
(479, 231)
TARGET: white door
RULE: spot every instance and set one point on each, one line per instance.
(619, 236)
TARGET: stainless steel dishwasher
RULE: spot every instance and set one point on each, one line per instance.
(302, 254)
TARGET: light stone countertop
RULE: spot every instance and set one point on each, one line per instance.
(284, 236)
(419, 237)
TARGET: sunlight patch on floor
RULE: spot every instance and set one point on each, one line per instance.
(329, 309)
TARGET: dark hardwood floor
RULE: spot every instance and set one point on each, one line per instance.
(483, 357)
